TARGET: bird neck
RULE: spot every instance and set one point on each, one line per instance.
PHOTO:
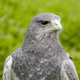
(47, 40)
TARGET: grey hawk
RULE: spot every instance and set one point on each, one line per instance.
(41, 57)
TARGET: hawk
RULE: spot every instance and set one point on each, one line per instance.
(42, 56)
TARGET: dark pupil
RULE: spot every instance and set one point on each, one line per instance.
(44, 22)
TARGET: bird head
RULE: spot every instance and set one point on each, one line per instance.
(45, 23)
(43, 27)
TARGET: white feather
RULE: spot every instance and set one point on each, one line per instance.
(8, 73)
(7, 68)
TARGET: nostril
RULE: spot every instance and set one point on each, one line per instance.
(56, 23)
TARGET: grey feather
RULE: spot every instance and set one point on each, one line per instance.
(68, 69)
(42, 57)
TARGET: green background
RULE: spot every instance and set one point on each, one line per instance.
(15, 16)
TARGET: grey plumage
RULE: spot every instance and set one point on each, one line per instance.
(41, 56)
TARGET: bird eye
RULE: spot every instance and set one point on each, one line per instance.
(44, 22)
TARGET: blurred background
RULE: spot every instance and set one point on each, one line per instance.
(15, 16)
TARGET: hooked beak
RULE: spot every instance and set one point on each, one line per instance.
(56, 25)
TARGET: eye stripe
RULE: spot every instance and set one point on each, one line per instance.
(43, 22)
